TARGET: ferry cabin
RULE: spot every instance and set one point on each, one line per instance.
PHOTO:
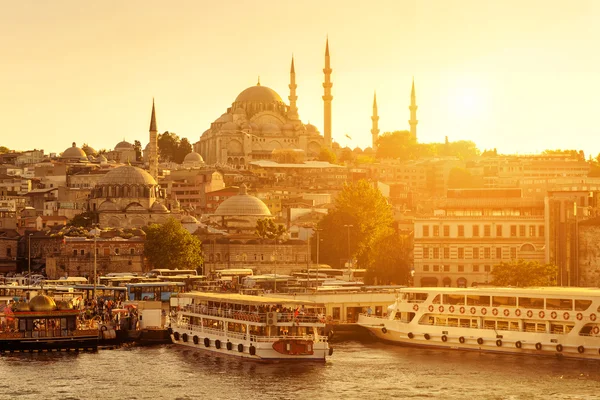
(257, 327)
(561, 321)
(158, 291)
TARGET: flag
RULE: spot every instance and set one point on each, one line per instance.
(348, 136)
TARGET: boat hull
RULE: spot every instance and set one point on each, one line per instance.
(58, 344)
(481, 340)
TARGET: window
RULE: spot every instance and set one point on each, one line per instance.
(475, 230)
(476, 253)
(498, 252)
(461, 268)
(487, 230)
(446, 268)
(75, 252)
(541, 230)
(132, 251)
(8, 252)
(446, 230)
(436, 253)
(82, 252)
(499, 230)
(446, 252)
(475, 268)
(513, 231)
(436, 268)
(522, 229)
(488, 268)
(461, 230)
(425, 252)
(486, 253)
(117, 251)
(425, 230)
(513, 253)
(436, 230)
(461, 253)
(531, 230)
(425, 268)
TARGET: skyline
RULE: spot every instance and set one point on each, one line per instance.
(518, 81)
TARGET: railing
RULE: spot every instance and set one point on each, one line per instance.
(253, 316)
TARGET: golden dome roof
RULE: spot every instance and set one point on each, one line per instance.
(74, 152)
(261, 94)
(42, 302)
(243, 205)
(127, 175)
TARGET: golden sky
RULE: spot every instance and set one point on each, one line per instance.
(521, 76)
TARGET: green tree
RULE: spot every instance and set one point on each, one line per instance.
(360, 217)
(167, 145)
(266, 228)
(171, 246)
(85, 219)
(397, 144)
(390, 264)
(137, 146)
(327, 155)
(184, 147)
(4, 149)
(523, 273)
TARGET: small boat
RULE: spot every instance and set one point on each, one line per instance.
(42, 324)
(551, 321)
(254, 327)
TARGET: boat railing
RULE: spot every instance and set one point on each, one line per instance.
(253, 316)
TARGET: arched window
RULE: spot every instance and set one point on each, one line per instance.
(132, 251)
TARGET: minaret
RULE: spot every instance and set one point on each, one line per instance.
(327, 97)
(413, 111)
(375, 123)
(293, 110)
(153, 147)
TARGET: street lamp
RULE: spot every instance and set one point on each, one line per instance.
(318, 240)
(95, 251)
(29, 260)
(348, 230)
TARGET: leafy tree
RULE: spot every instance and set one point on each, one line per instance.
(523, 273)
(137, 146)
(85, 219)
(397, 144)
(4, 149)
(167, 145)
(390, 264)
(267, 229)
(172, 246)
(184, 147)
(327, 155)
(360, 217)
(346, 155)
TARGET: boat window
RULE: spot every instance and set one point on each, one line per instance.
(569, 328)
(504, 301)
(440, 321)
(531, 302)
(436, 299)
(452, 321)
(541, 327)
(514, 326)
(502, 325)
(529, 327)
(556, 328)
(559, 304)
(456, 299)
(335, 313)
(417, 297)
(489, 324)
(465, 323)
(587, 330)
(475, 300)
(582, 305)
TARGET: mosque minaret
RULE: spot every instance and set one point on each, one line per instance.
(413, 111)
(375, 123)
(153, 146)
(293, 109)
(327, 97)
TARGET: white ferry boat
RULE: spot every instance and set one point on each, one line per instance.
(255, 327)
(542, 321)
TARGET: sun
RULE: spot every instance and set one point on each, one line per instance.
(468, 102)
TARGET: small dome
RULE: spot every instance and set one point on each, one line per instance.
(225, 118)
(127, 174)
(243, 205)
(259, 94)
(335, 145)
(270, 128)
(229, 126)
(101, 159)
(311, 128)
(74, 152)
(288, 127)
(254, 127)
(193, 157)
(159, 207)
(64, 305)
(188, 219)
(357, 150)
(368, 150)
(42, 302)
(239, 111)
(89, 150)
(123, 146)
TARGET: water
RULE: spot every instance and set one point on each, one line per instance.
(357, 370)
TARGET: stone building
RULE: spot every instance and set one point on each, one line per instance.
(588, 271)
(9, 243)
(124, 152)
(259, 122)
(190, 186)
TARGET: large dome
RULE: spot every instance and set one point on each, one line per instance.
(42, 303)
(259, 93)
(193, 157)
(243, 205)
(127, 175)
(74, 152)
(124, 145)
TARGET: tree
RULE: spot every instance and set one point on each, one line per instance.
(267, 229)
(360, 217)
(327, 155)
(346, 155)
(85, 219)
(184, 148)
(523, 273)
(137, 146)
(171, 246)
(4, 149)
(167, 145)
(397, 144)
(390, 264)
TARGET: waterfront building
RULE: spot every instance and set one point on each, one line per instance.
(471, 231)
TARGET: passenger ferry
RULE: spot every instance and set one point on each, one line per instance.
(541, 321)
(254, 327)
(45, 325)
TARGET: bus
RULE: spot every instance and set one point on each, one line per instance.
(103, 292)
(159, 291)
(171, 272)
